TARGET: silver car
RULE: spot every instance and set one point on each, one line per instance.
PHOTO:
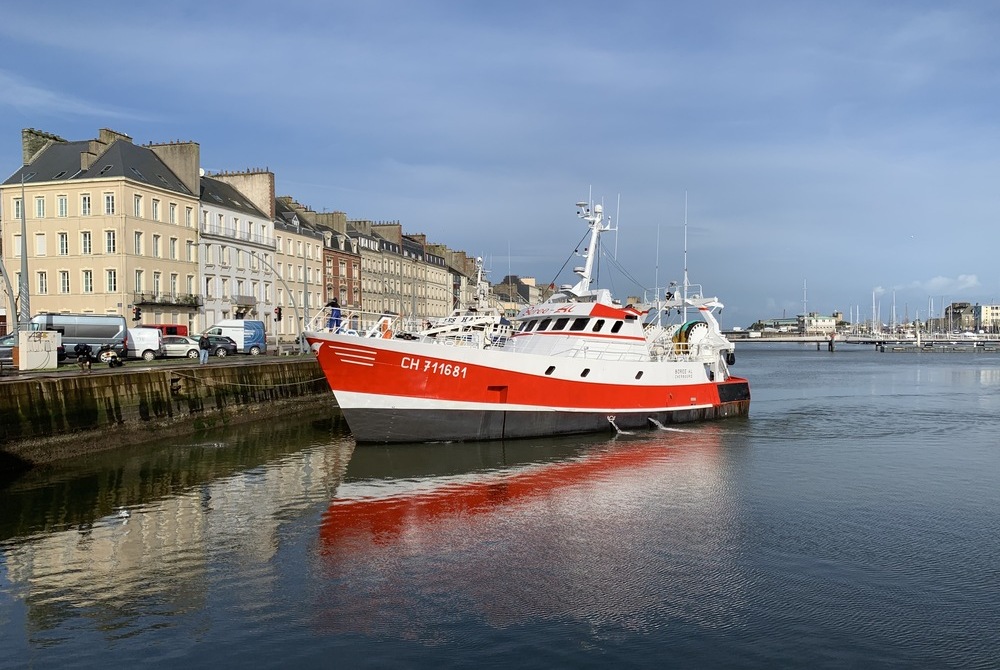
(180, 346)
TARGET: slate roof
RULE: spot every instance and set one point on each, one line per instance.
(215, 192)
(122, 159)
(285, 217)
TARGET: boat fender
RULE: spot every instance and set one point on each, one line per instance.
(731, 358)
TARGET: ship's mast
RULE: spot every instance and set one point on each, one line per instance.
(594, 217)
(482, 299)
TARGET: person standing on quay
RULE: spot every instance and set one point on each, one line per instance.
(203, 346)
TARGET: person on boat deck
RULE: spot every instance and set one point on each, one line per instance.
(334, 322)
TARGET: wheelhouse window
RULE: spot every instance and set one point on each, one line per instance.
(617, 326)
(579, 324)
(560, 324)
(598, 325)
(544, 324)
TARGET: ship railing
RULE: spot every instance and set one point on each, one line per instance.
(597, 353)
(389, 325)
(355, 322)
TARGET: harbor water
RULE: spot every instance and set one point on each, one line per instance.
(853, 520)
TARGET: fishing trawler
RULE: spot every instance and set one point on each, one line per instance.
(579, 362)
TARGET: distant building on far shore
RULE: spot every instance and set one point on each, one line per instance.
(812, 323)
(816, 324)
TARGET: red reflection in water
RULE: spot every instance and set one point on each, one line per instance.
(383, 520)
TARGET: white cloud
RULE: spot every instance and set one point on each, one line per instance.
(960, 285)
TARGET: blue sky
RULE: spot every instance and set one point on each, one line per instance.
(849, 148)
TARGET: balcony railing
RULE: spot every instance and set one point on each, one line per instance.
(153, 298)
(233, 234)
(244, 300)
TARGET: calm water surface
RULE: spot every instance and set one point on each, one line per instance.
(852, 521)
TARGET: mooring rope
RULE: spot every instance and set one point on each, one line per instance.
(210, 382)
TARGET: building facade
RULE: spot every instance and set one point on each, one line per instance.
(111, 226)
(298, 262)
(237, 249)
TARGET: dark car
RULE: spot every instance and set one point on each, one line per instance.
(222, 345)
(7, 344)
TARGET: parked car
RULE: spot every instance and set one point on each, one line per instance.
(7, 344)
(222, 345)
(180, 346)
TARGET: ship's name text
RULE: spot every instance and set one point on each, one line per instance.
(433, 367)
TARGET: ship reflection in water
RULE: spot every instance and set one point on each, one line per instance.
(584, 531)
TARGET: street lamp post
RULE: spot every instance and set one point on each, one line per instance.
(291, 294)
(23, 298)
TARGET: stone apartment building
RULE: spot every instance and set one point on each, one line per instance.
(299, 266)
(237, 253)
(423, 283)
(111, 226)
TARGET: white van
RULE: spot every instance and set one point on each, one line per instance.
(145, 343)
(248, 335)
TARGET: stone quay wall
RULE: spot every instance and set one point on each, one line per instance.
(48, 417)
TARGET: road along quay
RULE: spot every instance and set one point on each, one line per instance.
(45, 417)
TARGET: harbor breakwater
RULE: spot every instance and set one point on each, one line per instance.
(45, 418)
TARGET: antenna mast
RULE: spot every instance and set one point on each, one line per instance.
(685, 288)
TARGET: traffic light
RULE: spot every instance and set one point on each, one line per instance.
(277, 314)
(136, 313)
